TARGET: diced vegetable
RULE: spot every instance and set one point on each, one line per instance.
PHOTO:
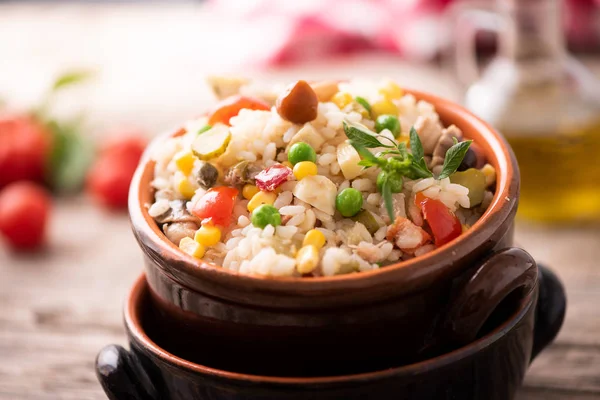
(203, 129)
(231, 106)
(261, 198)
(249, 191)
(24, 212)
(207, 175)
(212, 143)
(443, 223)
(383, 107)
(184, 160)
(301, 152)
(341, 99)
(304, 169)
(389, 122)
(318, 191)
(208, 235)
(315, 238)
(298, 103)
(391, 91)
(307, 259)
(348, 159)
(272, 177)
(474, 180)
(490, 174)
(349, 202)
(183, 185)
(265, 215)
(192, 247)
(366, 218)
(216, 205)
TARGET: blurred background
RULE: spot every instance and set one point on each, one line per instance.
(81, 81)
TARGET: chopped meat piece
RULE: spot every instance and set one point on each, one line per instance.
(444, 143)
(429, 132)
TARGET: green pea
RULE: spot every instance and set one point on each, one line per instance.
(389, 122)
(395, 179)
(301, 152)
(363, 102)
(349, 202)
(264, 215)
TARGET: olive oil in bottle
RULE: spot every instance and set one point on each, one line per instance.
(547, 105)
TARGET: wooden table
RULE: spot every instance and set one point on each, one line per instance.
(60, 306)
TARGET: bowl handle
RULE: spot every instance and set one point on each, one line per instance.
(550, 311)
(496, 277)
(122, 376)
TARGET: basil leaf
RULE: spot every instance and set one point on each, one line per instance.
(366, 154)
(366, 163)
(363, 102)
(402, 150)
(454, 157)
(419, 170)
(386, 193)
(70, 78)
(415, 144)
(357, 134)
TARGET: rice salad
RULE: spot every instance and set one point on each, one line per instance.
(316, 179)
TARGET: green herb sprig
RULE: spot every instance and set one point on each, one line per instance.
(402, 163)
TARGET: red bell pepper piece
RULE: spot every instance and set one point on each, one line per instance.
(231, 106)
(443, 223)
(216, 205)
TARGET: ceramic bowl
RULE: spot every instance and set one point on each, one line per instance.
(491, 367)
(393, 315)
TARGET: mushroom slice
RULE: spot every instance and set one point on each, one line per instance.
(177, 212)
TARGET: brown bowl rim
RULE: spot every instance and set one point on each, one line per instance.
(133, 325)
(501, 207)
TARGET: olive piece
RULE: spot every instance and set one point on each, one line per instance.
(207, 175)
(298, 104)
(469, 161)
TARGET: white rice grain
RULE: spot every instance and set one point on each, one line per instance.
(292, 210)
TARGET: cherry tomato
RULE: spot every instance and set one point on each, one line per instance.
(128, 142)
(24, 210)
(109, 178)
(24, 148)
(231, 106)
(216, 205)
(443, 223)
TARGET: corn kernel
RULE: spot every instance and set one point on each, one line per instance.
(304, 169)
(315, 238)
(191, 247)
(208, 235)
(249, 191)
(307, 259)
(404, 139)
(287, 164)
(341, 99)
(184, 160)
(383, 107)
(261, 198)
(391, 90)
(184, 186)
(490, 174)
